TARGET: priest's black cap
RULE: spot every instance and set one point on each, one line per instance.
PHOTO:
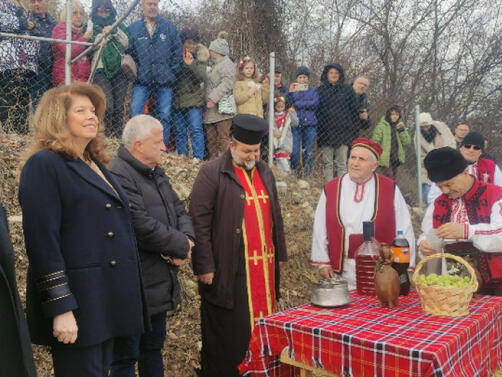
(444, 163)
(474, 138)
(248, 129)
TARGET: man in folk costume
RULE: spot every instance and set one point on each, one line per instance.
(347, 201)
(484, 169)
(467, 216)
(238, 224)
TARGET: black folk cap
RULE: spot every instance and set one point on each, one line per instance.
(444, 163)
(248, 129)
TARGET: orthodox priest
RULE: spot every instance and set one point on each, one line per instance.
(240, 245)
(467, 216)
(347, 201)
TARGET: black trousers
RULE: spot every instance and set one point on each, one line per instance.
(226, 332)
(91, 361)
(115, 90)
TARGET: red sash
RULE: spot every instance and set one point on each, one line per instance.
(478, 201)
(486, 170)
(383, 216)
(258, 246)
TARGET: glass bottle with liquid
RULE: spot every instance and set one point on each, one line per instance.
(366, 259)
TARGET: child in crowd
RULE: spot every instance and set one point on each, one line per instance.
(305, 101)
(283, 137)
(390, 132)
(249, 94)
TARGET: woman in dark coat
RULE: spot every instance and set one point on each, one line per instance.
(16, 358)
(84, 283)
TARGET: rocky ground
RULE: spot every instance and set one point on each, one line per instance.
(181, 352)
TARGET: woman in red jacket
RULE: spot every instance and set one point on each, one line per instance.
(81, 69)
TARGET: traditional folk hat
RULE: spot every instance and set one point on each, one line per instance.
(444, 163)
(248, 129)
(374, 147)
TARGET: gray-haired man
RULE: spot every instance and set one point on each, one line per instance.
(165, 238)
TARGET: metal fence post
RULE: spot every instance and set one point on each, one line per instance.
(419, 156)
(67, 72)
(271, 111)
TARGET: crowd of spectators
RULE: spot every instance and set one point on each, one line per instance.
(197, 90)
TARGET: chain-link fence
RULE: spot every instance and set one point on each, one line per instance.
(165, 68)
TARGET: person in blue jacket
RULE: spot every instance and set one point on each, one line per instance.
(304, 100)
(84, 284)
(157, 52)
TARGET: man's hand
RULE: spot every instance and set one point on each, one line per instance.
(363, 115)
(64, 328)
(292, 87)
(210, 104)
(426, 249)
(327, 272)
(206, 278)
(451, 230)
(277, 133)
(291, 109)
(178, 261)
(30, 24)
(107, 28)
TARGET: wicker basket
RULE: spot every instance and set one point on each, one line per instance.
(447, 301)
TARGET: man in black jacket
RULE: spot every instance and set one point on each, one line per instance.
(165, 239)
(336, 117)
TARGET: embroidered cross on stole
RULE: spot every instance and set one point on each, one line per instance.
(258, 246)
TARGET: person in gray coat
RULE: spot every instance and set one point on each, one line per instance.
(165, 237)
(219, 83)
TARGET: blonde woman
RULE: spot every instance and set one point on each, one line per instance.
(81, 69)
(83, 284)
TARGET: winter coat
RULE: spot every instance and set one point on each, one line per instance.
(306, 104)
(443, 138)
(189, 90)
(250, 105)
(81, 69)
(43, 28)
(219, 81)
(82, 252)
(382, 135)
(159, 59)
(16, 53)
(16, 356)
(337, 111)
(111, 55)
(161, 225)
(217, 210)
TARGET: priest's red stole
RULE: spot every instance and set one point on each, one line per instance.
(383, 216)
(258, 246)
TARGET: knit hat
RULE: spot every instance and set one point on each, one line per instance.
(302, 70)
(189, 33)
(444, 163)
(474, 138)
(277, 69)
(220, 45)
(425, 119)
(374, 147)
(248, 129)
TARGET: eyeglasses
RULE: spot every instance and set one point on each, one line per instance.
(469, 146)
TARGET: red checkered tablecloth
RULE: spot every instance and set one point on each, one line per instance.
(363, 339)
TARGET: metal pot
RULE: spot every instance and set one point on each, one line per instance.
(331, 292)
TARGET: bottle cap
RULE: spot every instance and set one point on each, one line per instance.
(368, 230)
(399, 232)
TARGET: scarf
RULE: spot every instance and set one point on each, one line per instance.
(111, 55)
(429, 135)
